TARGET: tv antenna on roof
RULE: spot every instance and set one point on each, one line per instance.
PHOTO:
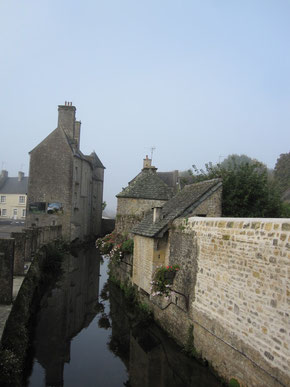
(152, 149)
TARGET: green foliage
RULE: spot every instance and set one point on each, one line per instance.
(189, 346)
(247, 189)
(128, 246)
(234, 383)
(233, 161)
(285, 210)
(129, 291)
(282, 172)
(115, 245)
(144, 312)
(163, 279)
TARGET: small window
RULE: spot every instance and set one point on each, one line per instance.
(22, 199)
(4, 212)
(23, 213)
(3, 199)
(14, 211)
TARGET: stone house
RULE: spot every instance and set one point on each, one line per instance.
(65, 186)
(152, 234)
(147, 190)
(13, 194)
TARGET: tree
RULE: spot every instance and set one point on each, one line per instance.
(282, 173)
(233, 161)
(246, 188)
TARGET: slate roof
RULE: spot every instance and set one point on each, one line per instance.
(181, 204)
(93, 158)
(147, 185)
(13, 186)
(170, 178)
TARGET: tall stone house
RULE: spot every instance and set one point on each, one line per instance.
(147, 190)
(13, 194)
(65, 186)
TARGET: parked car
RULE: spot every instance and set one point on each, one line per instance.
(53, 208)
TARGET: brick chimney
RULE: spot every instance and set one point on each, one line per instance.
(3, 177)
(147, 162)
(67, 118)
(4, 174)
(20, 175)
(77, 136)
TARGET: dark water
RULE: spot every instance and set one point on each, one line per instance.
(87, 335)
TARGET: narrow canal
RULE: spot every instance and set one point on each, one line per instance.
(87, 334)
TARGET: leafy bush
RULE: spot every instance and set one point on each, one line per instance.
(162, 281)
(128, 246)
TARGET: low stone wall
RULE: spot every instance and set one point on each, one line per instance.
(29, 240)
(20, 248)
(236, 275)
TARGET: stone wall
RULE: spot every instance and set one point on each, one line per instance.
(235, 273)
(143, 262)
(6, 270)
(130, 211)
(20, 248)
(50, 180)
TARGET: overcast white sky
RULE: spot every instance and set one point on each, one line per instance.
(197, 79)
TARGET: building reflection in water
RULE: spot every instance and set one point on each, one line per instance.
(65, 311)
(151, 357)
(118, 339)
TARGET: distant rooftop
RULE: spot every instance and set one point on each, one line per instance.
(13, 185)
(149, 184)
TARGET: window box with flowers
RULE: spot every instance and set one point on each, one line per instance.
(163, 280)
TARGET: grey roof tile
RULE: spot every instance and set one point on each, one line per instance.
(13, 186)
(181, 204)
(147, 185)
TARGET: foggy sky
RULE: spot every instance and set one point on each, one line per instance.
(198, 80)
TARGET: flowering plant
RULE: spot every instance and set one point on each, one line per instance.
(116, 253)
(115, 245)
(161, 285)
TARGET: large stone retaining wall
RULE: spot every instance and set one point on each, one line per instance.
(232, 295)
(19, 248)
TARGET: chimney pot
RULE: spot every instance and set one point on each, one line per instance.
(147, 162)
(20, 175)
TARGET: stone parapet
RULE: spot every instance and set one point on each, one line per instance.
(241, 295)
